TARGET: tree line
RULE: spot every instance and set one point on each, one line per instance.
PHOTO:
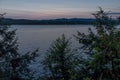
(61, 21)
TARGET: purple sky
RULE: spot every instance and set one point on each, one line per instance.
(52, 9)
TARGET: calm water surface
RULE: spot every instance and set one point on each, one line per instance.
(31, 37)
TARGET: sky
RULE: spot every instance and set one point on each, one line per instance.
(53, 9)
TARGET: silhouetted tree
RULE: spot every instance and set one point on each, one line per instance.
(102, 49)
(119, 19)
(13, 65)
(60, 60)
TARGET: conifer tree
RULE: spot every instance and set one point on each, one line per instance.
(59, 62)
(13, 65)
(102, 49)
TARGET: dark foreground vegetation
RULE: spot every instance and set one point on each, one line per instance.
(97, 58)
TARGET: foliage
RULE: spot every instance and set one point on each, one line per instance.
(13, 65)
(99, 54)
(102, 49)
(119, 19)
(60, 61)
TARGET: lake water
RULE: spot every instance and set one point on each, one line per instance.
(31, 37)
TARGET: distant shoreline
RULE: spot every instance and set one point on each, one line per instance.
(62, 21)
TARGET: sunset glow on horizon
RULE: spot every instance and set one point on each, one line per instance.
(52, 9)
